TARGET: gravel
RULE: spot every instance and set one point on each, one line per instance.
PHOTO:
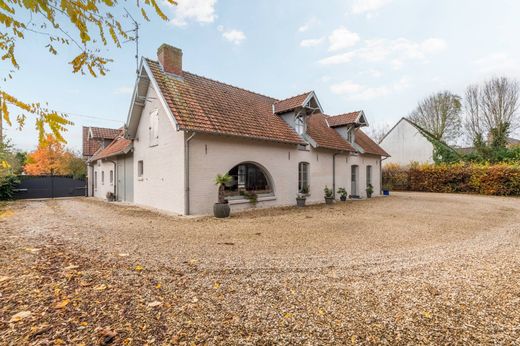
(414, 268)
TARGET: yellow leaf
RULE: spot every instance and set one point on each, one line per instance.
(427, 314)
(288, 315)
(138, 268)
(101, 287)
(353, 339)
(216, 285)
(321, 312)
(158, 286)
(62, 304)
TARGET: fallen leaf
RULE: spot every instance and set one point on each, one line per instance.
(72, 266)
(20, 316)
(101, 287)
(106, 336)
(158, 286)
(123, 255)
(32, 250)
(216, 285)
(62, 304)
(288, 315)
(427, 314)
(138, 268)
(154, 304)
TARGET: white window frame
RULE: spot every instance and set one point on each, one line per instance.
(140, 169)
(153, 130)
(303, 175)
(299, 124)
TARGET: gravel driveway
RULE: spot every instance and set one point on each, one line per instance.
(414, 268)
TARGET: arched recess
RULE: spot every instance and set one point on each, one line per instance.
(249, 177)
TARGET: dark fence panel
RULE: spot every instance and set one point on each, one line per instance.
(49, 186)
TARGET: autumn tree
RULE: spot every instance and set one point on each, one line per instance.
(440, 115)
(52, 157)
(89, 25)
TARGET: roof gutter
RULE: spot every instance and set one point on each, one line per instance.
(187, 173)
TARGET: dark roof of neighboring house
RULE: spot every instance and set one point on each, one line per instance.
(343, 119)
(200, 104)
(290, 103)
(119, 146)
(92, 144)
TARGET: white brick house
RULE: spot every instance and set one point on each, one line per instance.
(182, 130)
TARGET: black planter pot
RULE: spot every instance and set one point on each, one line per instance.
(369, 194)
(221, 210)
(300, 202)
(343, 198)
(329, 200)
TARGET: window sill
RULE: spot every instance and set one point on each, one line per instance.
(140, 179)
(245, 200)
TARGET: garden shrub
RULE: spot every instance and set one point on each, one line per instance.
(499, 179)
(7, 185)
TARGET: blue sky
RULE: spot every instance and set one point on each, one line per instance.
(381, 56)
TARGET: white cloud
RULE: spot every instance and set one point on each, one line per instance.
(355, 91)
(313, 42)
(397, 52)
(362, 6)
(234, 36)
(201, 11)
(342, 38)
(309, 24)
(499, 62)
(124, 90)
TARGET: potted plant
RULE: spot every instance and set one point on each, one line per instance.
(342, 194)
(302, 196)
(369, 190)
(386, 189)
(329, 196)
(252, 197)
(221, 208)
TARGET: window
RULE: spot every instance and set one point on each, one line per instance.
(140, 168)
(111, 177)
(369, 175)
(303, 177)
(95, 180)
(247, 178)
(154, 128)
(350, 135)
(299, 125)
(102, 177)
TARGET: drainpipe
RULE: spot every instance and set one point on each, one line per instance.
(114, 177)
(187, 174)
(334, 175)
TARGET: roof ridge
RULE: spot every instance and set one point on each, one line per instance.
(291, 97)
(220, 82)
(337, 115)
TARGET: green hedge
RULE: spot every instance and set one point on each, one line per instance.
(500, 179)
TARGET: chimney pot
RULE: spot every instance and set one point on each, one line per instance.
(170, 59)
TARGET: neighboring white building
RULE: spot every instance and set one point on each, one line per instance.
(407, 142)
(182, 130)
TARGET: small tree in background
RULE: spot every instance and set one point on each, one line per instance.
(440, 115)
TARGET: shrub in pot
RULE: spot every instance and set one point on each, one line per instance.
(342, 194)
(302, 196)
(369, 190)
(329, 195)
(221, 208)
(386, 189)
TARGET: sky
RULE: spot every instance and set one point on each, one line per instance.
(379, 56)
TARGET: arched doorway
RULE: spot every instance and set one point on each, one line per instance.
(248, 178)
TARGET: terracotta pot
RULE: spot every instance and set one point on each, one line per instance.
(221, 210)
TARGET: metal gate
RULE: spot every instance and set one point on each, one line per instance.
(49, 186)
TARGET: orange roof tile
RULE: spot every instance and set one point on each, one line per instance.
(324, 136)
(290, 103)
(204, 105)
(92, 144)
(119, 146)
(343, 119)
(368, 145)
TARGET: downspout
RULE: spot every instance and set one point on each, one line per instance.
(187, 174)
(114, 177)
(334, 175)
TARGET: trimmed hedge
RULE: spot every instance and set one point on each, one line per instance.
(500, 179)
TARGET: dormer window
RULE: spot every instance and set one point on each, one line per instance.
(350, 135)
(299, 124)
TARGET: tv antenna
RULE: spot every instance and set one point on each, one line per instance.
(134, 38)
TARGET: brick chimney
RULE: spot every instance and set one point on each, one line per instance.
(170, 59)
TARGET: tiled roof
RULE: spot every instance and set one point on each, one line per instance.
(290, 103)
(204, 105)
(120, 145)
(324, 136)
(105, 133)
(343, 119)
(91, 145)
(368, 145)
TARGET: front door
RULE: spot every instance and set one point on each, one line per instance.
(354, 179)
